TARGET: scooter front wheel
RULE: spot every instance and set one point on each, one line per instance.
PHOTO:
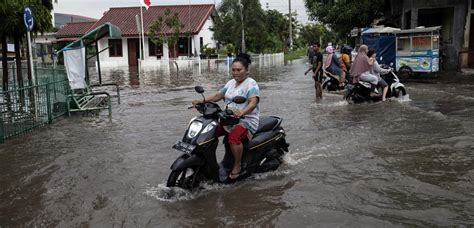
(399, 91)
(186, 178)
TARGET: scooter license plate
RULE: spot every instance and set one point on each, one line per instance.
(184, 147)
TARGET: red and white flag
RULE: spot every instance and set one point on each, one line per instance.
(146, 3)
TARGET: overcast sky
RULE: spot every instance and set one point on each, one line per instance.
(96, 8)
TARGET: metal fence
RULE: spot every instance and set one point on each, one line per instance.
(24, 108)
(223, 64)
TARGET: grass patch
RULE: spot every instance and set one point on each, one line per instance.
(295, 54)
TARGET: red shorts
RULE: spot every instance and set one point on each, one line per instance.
(236, 134)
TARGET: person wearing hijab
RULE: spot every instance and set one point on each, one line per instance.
(332, 64)
(360, 69)
(377, 70)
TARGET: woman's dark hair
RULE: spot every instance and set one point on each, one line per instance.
(244, 59)
(371, 52)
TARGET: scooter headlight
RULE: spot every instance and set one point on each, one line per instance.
(209, 127)
(194, 129)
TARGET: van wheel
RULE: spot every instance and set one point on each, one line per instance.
(405, 72)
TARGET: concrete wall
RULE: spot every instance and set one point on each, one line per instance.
(467, 28)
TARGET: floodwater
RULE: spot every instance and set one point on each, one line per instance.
(407, 162)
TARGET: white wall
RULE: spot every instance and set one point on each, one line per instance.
(207, 36)
(106, 60)
(149, 61)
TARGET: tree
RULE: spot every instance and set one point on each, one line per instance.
(341, 16)
(170, 21)
(228, 27)
(254, 25)
(312, 33)
(13, 26)
(277, 25)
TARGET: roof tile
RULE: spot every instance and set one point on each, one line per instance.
(75, 29)
(192, 16)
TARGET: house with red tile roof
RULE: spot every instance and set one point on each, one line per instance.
(197, 20)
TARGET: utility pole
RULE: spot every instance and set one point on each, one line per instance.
(242, 20)
(290, 18)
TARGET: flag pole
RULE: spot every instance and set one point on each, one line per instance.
(137, 21)
(143, 34)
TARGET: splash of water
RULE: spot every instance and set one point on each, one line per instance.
(466, 98)
(403, 99)
(173, 194)
(332, 104)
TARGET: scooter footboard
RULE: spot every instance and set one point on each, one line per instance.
(186, 161)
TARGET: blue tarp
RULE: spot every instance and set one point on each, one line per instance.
(384, 46)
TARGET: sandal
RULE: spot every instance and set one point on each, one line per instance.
(234, 176)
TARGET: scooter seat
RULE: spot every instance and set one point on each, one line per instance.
(267, 123)
(266, 131)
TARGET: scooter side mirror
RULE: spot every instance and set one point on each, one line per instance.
(199, 89)
(239, 100)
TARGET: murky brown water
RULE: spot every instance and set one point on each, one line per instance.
(398, 163)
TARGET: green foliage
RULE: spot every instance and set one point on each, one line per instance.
(227, 26)
(342, 16)
(278, 31)
(312, 33)
(12, 25)
(11, 13)
(230, 49)
(295, 54)
(171, 21)
(208, 50)
(265, 31)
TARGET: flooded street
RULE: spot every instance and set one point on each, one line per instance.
(399, 163)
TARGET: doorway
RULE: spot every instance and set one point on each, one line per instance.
(133, 51)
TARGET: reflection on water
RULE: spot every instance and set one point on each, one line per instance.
(404, 162)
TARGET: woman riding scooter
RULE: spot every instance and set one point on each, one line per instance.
(360, 69)
(333, 65)
(240, 85)
(377, 70)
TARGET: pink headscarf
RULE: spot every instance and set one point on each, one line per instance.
(361, 63)
(330, 51)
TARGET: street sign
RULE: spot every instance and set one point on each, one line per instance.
(354, 32)
(28, 19)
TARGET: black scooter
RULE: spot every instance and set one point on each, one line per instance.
(198, 163)
(331, 82)
(360, 92)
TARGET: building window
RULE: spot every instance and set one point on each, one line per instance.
(201, 43)
(115, 48)
(403, 44)
(183, 44)
(155, 49)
